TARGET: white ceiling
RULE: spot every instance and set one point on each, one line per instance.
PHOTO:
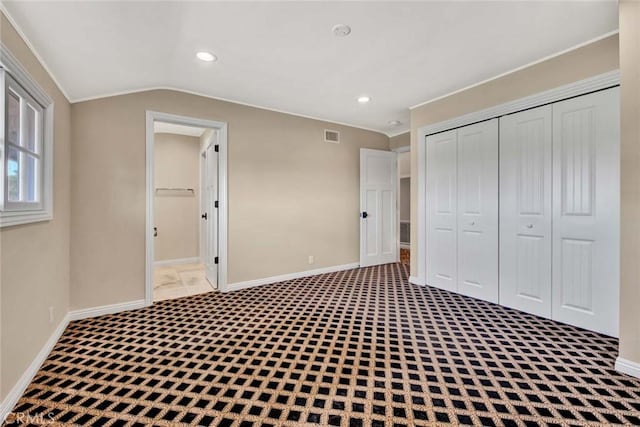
(162, 127)
(283, 55)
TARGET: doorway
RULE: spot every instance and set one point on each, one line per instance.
(186, 225)
(404, 203)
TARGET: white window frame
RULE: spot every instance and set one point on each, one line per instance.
(13, 74)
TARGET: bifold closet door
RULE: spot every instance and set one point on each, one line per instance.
(441, 210)
(525, 210)
(478, 210)
(586, 211)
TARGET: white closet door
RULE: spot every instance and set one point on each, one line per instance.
(478, 210)
(441, 210)
(586, 210)
(525, 211)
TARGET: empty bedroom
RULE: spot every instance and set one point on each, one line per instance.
(320, 213)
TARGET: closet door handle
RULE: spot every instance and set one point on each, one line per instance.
(472, 223)
(529, 226)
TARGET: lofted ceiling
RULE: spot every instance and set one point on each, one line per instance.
(284, 56)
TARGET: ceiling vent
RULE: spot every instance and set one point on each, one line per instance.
(332, 136)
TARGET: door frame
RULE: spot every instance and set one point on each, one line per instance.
(399, 151)
(221, 127)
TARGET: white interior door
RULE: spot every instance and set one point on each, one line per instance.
(586, 211)
(441, 197)
(210, 215)
(378, 209)
(478, 210)
(203, 204)
(525, 211)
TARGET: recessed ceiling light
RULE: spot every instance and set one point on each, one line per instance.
(341, 30)
(395, 122)
(364, 99)
(206, 56)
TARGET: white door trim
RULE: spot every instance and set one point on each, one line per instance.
(581, 87)
(421, 244)
(221, 127)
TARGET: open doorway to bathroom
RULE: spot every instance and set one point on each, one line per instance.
(404, 176)
(178, 268)
(186, 217)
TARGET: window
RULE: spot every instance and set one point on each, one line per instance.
(23, 146)
(26, 147)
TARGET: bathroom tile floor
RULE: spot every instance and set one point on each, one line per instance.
(177, 281)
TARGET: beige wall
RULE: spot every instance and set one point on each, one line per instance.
(291, 195)
(404, 169)
(35, 257)
(402, 140)
(404, 164)
(405, 199)
(630, 180)
(593, 59)
(177, 213)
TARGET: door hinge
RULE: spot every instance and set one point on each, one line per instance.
(215, 260)
(216, 148)
(215, 204)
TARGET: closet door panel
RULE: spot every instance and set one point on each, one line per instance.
(586, 210)
(441, 210)
(478, 210)
(525, 210)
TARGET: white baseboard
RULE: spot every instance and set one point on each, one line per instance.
(18, 389)
(275, 279)
(416, 280)
(628, 367)
(86, 313)
(177, 261)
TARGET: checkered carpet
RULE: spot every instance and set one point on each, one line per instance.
(355, 348)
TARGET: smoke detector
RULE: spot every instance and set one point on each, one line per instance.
(341, 30)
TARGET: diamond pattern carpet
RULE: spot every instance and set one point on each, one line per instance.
(356, 348)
